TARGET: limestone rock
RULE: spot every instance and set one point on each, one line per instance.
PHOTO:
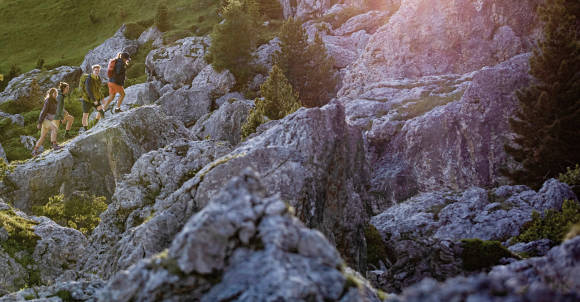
(14, 118)
(139, 223)
(224, 123)
(153, 35)
(84, 291)
(107, 51)
(3, 153)
(93, 161)
(264, 53)
(534, 248)
(32, 86)
(243, 245)
(218, 83)
(426, 37)
(179, 63)
(369, 22)
(187, 105)
(138, 95)
(28, 142)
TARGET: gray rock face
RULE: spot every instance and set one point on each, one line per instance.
(53, 256)
(369, 22)
(3, 153)
(187, 105)
(84, 291)
(225, 123)
(33, 85)
(218, 83)
(427, 37)
(535, 248)
(28, 142)
(179, 63)
(424, 229)
(107, 51)
(554, 277)
(139, 95)
(14, 118)
(245, 246)
(455, 145)
(153, 35)
(316, 162)
(139, 222)
(93, 161)
(265, 52)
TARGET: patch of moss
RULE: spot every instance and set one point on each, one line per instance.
(376, 250)
(64, 295)
(417, 107)
(553, 225)
(481, 254)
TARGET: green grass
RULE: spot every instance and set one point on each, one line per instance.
(62, 31)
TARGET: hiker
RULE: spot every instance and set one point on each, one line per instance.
(46, 121)
(116, 73)
(61, 114)
(91, 95)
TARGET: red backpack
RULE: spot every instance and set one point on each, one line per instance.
(111, 68)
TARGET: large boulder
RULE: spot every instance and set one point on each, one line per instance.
(178, 64)
(93, 161)
(187, 105)
(426, 229)
(245, 246)
(554, 277)
(139, 223)
(224, 123)
(16, 119)
(459, 141)
(58, 292)
(426, 37)
(218, 83)
(153, 35)
(139, 95)
(315, 161)
(35, 250)
(109, 50)
(33, 85)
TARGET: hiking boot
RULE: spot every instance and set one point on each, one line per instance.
(55, 146)
(117, 110)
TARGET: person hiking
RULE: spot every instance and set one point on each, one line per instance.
(116, 72)
(61, 114)
(46, 121)
(91, 95)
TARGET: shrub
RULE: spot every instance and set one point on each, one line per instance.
(554, 225)
(39, 63)
(133, 30)
(81, 211)
(376, 250)
(278, 101)
(162, 17)
(479, 254)
(572, 178)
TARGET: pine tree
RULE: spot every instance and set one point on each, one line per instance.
(162, 17)
(278, 100)
(234, 40)
(306, 66)
(270, 9)
(547, 126)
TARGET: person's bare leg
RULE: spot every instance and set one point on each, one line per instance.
(99, 114)
(108, 101)
(85, 120)
(121, 97)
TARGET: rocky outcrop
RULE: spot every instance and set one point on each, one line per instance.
(153, 35)
(225, 123)
(93, 161)
(218, 83)
(139, 95)
(442, 132)
(264, 54)
(32, 86)
(179, 63)
(83, 291)
(243, 245)
(427, 37)
(187, 105)
(316, 162)
(425, 229)
(139, 222)
(35, 250)
(3, 153)
(14, 118)
(550, 278)
(109, 50)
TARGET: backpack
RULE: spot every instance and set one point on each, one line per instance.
(111, 68)
(82, 86)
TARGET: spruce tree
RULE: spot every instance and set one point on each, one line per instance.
(278, 100)
(234, 40)
(306, 66)
(547, 125)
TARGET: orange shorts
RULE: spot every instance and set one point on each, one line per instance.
(115, 88)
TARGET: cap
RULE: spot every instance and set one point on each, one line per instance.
(125, 55)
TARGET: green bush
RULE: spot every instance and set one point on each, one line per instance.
(270, 9)
(133, 30)
(376, 250)
(479, 254)
(4, 169)
(81, 211)
(554, 225)
(572, 178)
(278, 101)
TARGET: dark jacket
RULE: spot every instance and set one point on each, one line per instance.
(59, 106)
(93, 88)
(48, 108)
(119, 73)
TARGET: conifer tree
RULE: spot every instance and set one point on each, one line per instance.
(547, 125)
(234, 40)
(306, 66)
(162, 17)
(278, 100)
